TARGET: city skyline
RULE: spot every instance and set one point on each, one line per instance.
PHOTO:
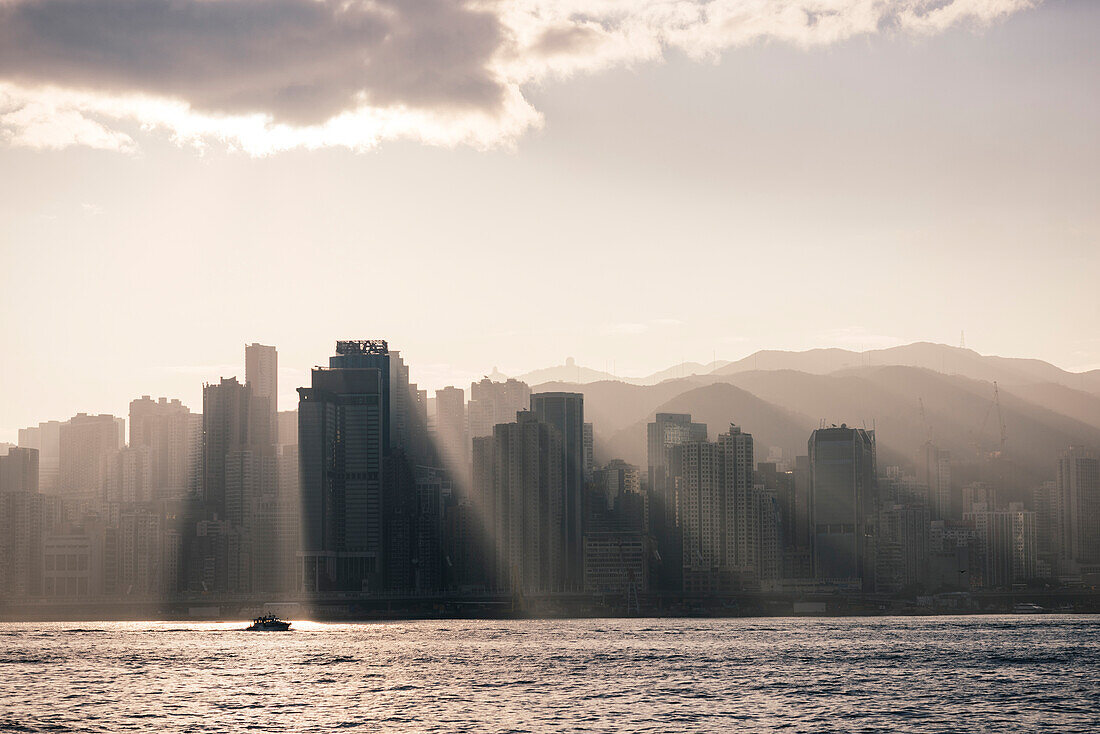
(885, 187)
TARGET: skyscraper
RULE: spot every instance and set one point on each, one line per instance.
(162, 427)
(22, 515)
(843, 505)
(342, 429)
(1077, 529)
(450, 433)
(528, 532)
(226, 413)
(87, 445)
(565, 411)
(261, 375)
(720, 512)
(492, 403)
(667, 431)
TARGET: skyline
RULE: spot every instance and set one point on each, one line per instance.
(878, 189)
(190, 380)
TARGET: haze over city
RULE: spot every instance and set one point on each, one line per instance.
(464, 365)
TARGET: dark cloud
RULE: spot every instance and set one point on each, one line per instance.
(301, 61)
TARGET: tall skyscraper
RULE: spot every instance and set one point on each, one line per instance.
(1077, 528)
(844, 504)
(261, 375)
(342, 440)
(162, 428)
(450, 433)
(667, 431)
(87, 445)
(526, 493)
(226, 413)
(565, 411)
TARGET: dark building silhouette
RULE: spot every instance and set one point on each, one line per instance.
(843, 505)
(342, 428)
(565, 411)
(667, 431)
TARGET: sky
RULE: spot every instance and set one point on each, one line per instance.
(629, 183)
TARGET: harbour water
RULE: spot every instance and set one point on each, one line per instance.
(888, 674)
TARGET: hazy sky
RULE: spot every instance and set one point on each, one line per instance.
(631, 185)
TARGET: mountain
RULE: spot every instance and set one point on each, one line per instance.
(781, 408)
(937, 357)
(572, 373)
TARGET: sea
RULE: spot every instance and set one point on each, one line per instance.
(855, 674)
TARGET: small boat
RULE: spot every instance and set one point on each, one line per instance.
(269, 623)
(1026, 607)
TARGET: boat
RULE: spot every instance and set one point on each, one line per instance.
(1026, 607)
(269, 623)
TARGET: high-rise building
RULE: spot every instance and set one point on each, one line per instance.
(22, 515)
(226, 419)
(342, 438)
(450, 432)
(843, 505)
(589, 444)
(667, 431)
(261, 375)
(1006, 542)
(527, 495)
(163, 428)
(1077, 528)
(719, 512)
(565, 411)
(19, 470)
(46, 437)
(492, 403)
(87, 445)
(936, 473)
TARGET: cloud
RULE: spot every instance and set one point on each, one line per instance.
(270, 75)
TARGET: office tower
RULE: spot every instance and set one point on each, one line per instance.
(486, 511)
(492, 403)
(843, 505)
(46, 437)
(398, 401)
(261, 375)
(1077, 529)
(528, 490)
(936, 473)
(450, 432)
(140, 550)
(163, 428)
(588, 441)
(226, 413)
(428, 533)
(22, 515)
(565, 411)
(342, 438)
(86, 447)
(1006, 542)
